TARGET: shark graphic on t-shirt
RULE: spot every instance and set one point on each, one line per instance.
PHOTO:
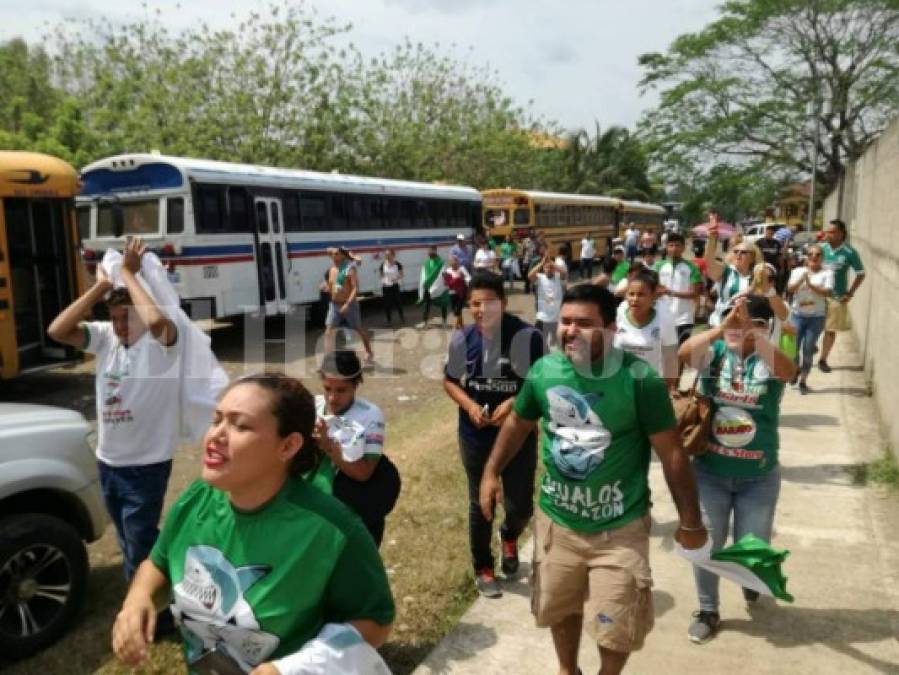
(579, 438)
(210, 606)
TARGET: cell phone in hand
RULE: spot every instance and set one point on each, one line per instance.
(216, 662)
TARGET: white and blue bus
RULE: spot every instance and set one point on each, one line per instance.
(237, 237)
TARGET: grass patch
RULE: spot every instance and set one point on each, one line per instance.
(883, 471)
(425, 550)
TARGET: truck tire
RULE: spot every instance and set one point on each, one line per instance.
(43, 581)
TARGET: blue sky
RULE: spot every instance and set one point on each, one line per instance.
(576, 60)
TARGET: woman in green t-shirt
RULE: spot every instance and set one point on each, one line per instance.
(739, 476)
(257, 561)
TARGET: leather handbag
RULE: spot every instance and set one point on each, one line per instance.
(693, 411)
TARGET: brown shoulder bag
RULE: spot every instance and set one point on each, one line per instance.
(693, 411)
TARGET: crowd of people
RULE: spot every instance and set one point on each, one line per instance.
(278, 539)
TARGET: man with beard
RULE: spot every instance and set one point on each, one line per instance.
(599, 419)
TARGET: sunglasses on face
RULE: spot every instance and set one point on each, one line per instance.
(813, 256)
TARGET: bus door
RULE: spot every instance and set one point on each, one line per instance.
(271, 255)
(40, 256)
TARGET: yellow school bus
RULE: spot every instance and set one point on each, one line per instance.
(646, 217)
(39, 272)
(560, 218)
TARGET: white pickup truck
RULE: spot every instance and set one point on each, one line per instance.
(50, 506)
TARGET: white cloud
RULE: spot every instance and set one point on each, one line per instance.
(576, 60)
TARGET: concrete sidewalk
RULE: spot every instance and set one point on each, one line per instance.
(843, 570)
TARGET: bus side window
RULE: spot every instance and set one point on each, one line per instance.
(313, 208)
(375, 213)
(290, 210)
(474, 216)
(339, 215)
(407, 213)
(460, 215)
(210, 209)
(174, 215)
(84, 222)
(391, 213)
(358, 217)
(238, 211)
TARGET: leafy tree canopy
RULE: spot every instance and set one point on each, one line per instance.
(741, 87)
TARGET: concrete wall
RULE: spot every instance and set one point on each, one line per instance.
(868, 201)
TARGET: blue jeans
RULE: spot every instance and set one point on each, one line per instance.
(808, 330)
(134, 496)
(752, 502)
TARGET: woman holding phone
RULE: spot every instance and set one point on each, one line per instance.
(255, 559)
(350, 432)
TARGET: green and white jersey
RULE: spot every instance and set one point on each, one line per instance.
(257, 586)
(595, 428)
(840, 259)
(730, 283)
(681, 276)
(360, 432)
(746, 396)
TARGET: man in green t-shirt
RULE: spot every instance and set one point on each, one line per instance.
(599, 419)
(839, 256)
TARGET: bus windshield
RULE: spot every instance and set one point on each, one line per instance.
(496, 217)
(141, 218)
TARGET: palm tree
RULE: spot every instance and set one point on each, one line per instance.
(611, 162)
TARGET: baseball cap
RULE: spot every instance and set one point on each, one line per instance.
(460, 237)
(618, 249)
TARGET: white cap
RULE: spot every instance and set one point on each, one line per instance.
(460, 236)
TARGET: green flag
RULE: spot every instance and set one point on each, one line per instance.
(751, 562)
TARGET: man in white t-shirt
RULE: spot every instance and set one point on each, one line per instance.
(137, 392)
(588, 253)
(681, 282)
(485, 258)
(547, 279)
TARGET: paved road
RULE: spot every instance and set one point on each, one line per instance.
(843, 571)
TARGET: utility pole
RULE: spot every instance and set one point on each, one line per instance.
(816, 111)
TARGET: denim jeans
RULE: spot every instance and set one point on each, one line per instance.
(134, 496)
(752, 502)
(518, 496)
(808, 330)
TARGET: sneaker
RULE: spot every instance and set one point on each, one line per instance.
(803, 388)
(795, 379)
(750, 595)
(822, 364)
(704, 627)
(486, 583)
(510, 556)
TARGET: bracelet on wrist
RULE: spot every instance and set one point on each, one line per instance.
(701, 528)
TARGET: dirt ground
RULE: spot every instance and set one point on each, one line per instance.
(425, 545)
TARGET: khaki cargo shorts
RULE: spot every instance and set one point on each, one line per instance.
(837, 316)
(603, 575)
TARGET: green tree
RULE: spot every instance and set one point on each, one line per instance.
(738, 192)
(740, 87)
(611, 162)
(426, 115)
